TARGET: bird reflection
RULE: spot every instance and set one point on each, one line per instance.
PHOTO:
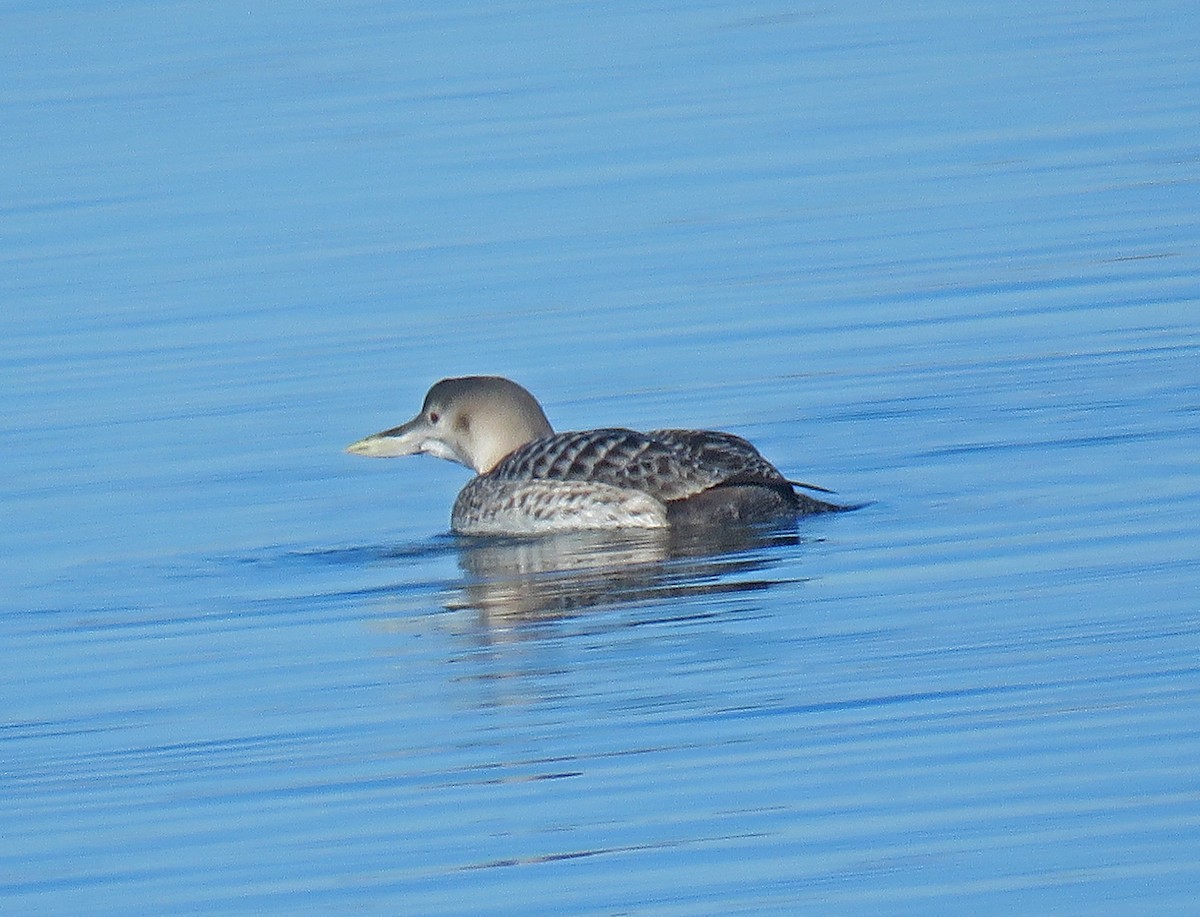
(511, 580)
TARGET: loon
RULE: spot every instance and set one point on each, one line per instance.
(530, 480)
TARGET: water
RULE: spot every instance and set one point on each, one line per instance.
(938, 257)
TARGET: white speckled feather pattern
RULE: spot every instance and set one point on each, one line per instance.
(494, 506)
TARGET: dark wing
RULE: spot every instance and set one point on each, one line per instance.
(660, 467)
(668, 465)
(737, 459)
(744, 463)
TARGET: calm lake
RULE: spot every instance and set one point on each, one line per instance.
(943, 258)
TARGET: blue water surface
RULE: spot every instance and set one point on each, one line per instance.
(941, 257)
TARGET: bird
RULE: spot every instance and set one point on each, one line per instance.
(530, 480)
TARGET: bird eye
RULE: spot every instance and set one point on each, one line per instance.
(434, 417)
